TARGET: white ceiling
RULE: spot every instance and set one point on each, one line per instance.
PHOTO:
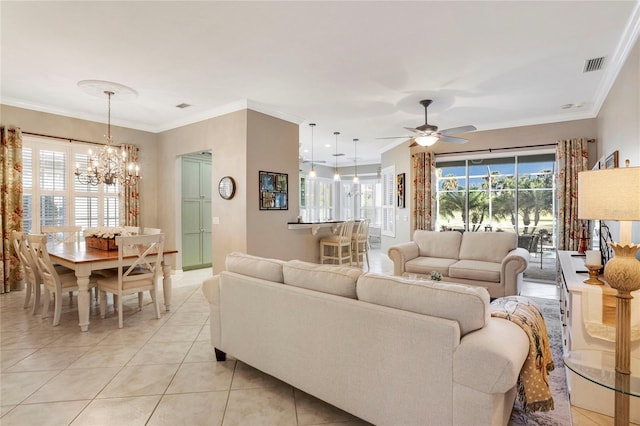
(358, 67)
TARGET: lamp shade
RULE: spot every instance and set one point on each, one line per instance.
(610, 194)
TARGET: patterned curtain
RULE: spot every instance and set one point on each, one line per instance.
(11, 181)
(424, 200)
(130, 196)
(573, 157)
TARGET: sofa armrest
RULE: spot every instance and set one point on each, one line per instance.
(513, 264)
(211, 290)
(500, 347)
(402, 253)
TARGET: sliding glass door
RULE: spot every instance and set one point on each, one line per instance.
(510, 194)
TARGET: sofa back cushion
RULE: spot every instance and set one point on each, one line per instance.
(338, 280)
(444, 245)
(254, 266)
(487, 246)
(468, 305)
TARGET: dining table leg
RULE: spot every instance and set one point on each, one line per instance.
(84, 298)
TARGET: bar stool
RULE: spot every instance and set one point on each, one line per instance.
(339, 245)
(360, 243)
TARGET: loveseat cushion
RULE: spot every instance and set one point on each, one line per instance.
(468, 305)
(254, 266)
(424, 265)
(476, 270)
(444, 245)
(332, 279)
(487, 246)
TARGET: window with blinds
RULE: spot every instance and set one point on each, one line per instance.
(388, 181)
(48, 176)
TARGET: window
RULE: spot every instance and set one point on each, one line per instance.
(388, 181)
(48, 178)
(318, 200)
(513, 194)
(362, 200)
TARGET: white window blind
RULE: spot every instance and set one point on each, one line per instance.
(48, 178)
(388, 197)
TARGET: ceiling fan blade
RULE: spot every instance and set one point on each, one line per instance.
(413, 144)
(457, 130)
(452, 139)
(418, 131)
(397, 137)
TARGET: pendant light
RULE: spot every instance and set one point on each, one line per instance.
(336, 175)
(312, 172)
(355, 159)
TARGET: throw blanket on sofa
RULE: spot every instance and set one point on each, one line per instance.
(533, 383)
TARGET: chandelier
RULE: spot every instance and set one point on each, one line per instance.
(109, 165)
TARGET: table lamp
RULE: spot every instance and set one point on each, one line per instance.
(614, 194)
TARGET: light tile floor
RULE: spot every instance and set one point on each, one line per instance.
(153, 372)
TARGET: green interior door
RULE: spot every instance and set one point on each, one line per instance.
(196, 211)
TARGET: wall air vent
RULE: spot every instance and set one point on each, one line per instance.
(182, 106)
(594, 64)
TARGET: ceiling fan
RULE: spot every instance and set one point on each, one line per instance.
(427, 134)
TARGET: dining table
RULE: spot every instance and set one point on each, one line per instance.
(84, 260)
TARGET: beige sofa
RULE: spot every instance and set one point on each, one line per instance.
(488, 259)
(387, 349)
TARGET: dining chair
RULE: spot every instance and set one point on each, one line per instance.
(62, 234)
(31, 275)
(339, 245)
(139, 269)
(53, 282)
(132, 230)
(151, 231)
(360, 243)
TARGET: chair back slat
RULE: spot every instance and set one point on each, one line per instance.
(346, 230)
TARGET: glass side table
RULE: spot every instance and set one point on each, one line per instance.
(598, 367)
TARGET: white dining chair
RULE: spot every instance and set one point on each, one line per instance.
(31, 275)
(151, 231)
(132, 230)
(54, 283)
(360, 243)
(62, 234)
(338, 245)
(139, 269)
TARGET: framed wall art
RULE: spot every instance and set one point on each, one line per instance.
(612, 161)
(274, 190)
(400, 190)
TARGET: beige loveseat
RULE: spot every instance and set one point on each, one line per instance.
(488, 259)
(386, 349)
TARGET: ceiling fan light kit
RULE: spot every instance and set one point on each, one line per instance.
(427, 134)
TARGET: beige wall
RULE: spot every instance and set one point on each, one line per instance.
(619, 123)
(66, 127)
(400, 157)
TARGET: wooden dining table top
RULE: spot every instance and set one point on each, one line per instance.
(80, 253)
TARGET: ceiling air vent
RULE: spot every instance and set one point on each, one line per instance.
(594, 64)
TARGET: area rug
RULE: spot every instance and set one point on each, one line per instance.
(544, 274)
(561, 414)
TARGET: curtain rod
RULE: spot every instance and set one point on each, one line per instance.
(71, 140)
(503, 149)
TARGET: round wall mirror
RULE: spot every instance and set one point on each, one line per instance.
(227, 187)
